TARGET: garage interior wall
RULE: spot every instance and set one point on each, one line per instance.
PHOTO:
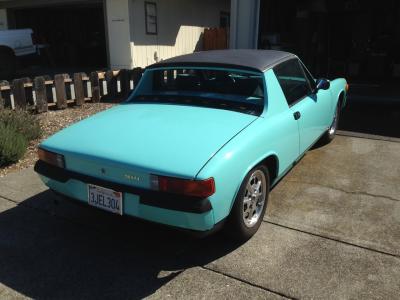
(3, 19)
(180, 25)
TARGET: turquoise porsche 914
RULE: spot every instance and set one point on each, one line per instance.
(200, 141)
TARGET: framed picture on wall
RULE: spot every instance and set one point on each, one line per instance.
(150, 11)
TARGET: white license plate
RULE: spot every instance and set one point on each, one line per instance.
(105, 199)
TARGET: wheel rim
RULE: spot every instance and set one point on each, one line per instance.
(254, 198)
(332, 129)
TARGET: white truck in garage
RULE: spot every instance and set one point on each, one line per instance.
(14, 44)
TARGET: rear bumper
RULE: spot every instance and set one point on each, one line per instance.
(173, 210)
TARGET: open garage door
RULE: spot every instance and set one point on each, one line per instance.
(75, 34)
(358, 40)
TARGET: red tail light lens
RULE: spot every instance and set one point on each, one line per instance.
(51, 158)
(194, 188)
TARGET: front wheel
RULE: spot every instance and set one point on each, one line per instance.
(250, 204)
(331, 132)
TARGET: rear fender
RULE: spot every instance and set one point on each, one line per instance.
(251, 147)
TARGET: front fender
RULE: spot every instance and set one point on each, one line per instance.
(338, 86)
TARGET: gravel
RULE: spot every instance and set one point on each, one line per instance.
(51, 122)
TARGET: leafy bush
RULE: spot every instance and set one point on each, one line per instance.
(21, 122)
(12, 145)
(17, 128)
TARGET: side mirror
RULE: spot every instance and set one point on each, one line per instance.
(322, 84)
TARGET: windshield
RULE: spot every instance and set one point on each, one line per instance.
(225, 89)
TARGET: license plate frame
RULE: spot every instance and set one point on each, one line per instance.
(105, 199)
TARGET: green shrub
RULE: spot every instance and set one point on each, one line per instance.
(12, 145)
(22, 122)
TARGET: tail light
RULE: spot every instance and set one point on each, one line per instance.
(51, 158)
(187, 187)
(347, 87)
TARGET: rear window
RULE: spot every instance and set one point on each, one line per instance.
(220, 82)
(230, 89)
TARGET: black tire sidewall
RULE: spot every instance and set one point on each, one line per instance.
(337, 113)
(235, 226)
(328, 137)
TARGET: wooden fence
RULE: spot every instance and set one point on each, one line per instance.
(215, 38)
(43, 92)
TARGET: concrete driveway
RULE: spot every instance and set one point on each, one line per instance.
(332, 230)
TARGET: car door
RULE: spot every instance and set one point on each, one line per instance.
(323, 102)
(305, 106)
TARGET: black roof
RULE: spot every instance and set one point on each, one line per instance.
(256, 60)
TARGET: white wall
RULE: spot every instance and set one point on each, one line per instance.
(180, 26)
(244, 24)
(119, 34)
(3, 19)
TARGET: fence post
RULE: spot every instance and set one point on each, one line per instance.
(60, 91)
(79, 93)
(94, 81)
(41, 94)
(124, 81)
(111, 85)
(18, 91)
(136, 75)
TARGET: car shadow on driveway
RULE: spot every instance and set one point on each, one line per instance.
(65, 250)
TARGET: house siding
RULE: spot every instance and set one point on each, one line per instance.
(180, 24)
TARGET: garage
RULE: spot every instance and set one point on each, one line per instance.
(72, 34)
(356, 39)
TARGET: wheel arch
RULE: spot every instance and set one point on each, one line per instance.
(338, 91)
(341, 99)
(270, 161)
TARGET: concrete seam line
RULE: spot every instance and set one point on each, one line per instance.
(333, 239)
(368, 136)
(345, 191)
(248, 283)
(8, 199)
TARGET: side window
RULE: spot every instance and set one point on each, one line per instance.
(292, 79)
(310, 78)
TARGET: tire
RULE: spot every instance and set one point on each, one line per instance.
(245, 218)
(331, 132)
(8, 63)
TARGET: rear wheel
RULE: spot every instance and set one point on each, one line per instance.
(250, 204)
(8, 63)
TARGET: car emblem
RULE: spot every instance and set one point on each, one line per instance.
(132, 177)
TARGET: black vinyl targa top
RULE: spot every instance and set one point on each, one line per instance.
(254, 60)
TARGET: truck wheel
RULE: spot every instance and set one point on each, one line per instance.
(7, 63)
(250, 204)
